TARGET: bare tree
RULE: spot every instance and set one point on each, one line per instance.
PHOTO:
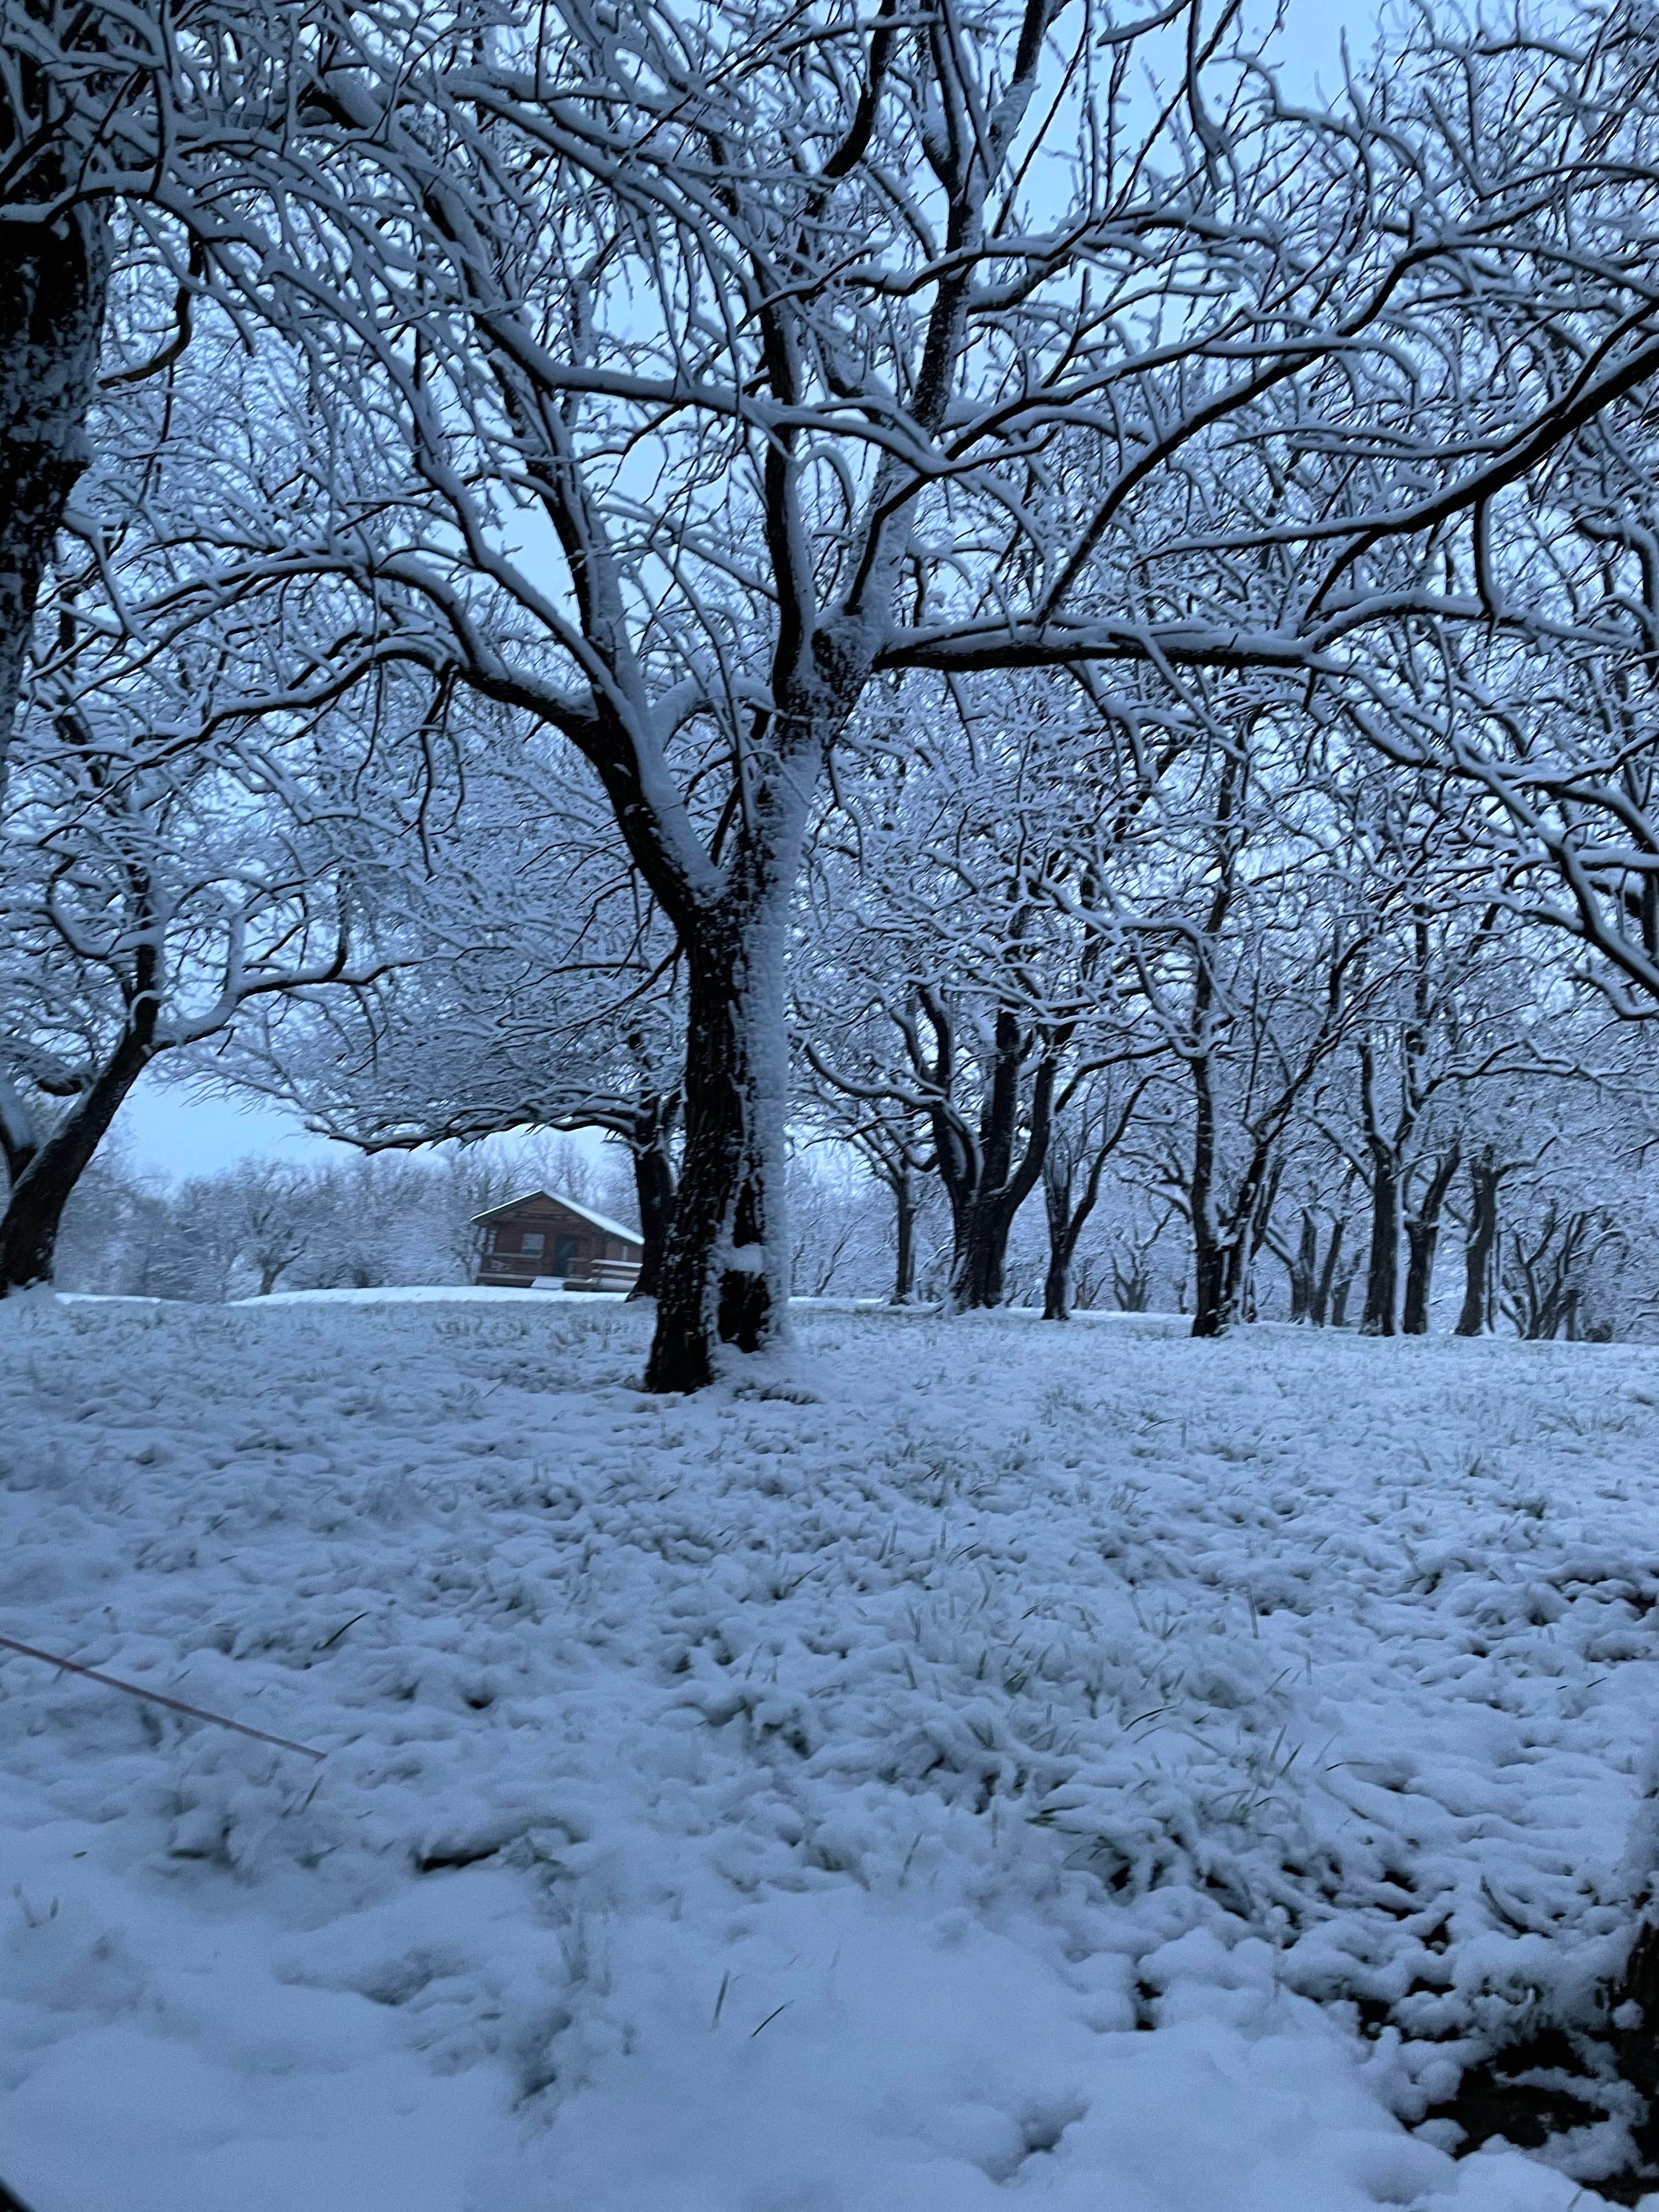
(156, 882)
(896, 355)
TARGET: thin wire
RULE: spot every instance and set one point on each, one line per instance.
(156, 1697)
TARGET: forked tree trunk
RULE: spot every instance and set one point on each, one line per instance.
(53, 283)
(34, 1206)
(981, 1258)
(1422, 1239)
(1480, 1246)
(983, 1212)
(1320, 1306)
(1067, 1221)
(1303, 1266)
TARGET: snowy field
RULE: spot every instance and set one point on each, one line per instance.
(1006, 1764)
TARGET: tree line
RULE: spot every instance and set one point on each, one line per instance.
(1013, 588)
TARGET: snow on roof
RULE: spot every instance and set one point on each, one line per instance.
(559, 1198)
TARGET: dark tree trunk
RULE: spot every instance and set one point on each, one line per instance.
(653, 1190)
(1209, 1257)
(990, 1195)
(1633, 2008)
(724, 1275)
(1422, 1236)
(1321, 1308)
(1422, 1239)
(1383, 1264)
(34, 1206)
(53, 282)
(1480, 1246)
(1225, 1254)
(976, 1281)
(1213, 1307)
(1063, 1242)
(1067, 1221)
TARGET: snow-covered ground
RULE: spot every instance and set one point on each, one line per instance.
(1079, 1767)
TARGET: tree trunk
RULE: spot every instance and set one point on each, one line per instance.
(1422, 1239)
(1209, 1260)
(1382, 1263)
(1062, 1240)
(1304, 1266)
(53, 283)
(976, 1281)
(904, 1223)
(1067, 1222)
(984, 1213)
(724, 1268)
(1210, 1314)
(1476, 1318)
(34, 1206)
(1323, 1306)
(653, 1190)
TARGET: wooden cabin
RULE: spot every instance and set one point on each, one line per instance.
(545, 1237)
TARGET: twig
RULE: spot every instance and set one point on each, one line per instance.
(340, 1632)
(154, 1698)
(9, 2202)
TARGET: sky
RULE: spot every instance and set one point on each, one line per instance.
(168, 1129)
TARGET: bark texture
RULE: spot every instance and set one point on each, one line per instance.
(34, 1206)
(1422, 1241)
(53, 283)
(724, 1274)
(653, 1189)
(1479, 1251)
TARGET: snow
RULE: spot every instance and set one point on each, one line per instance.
(424, 1294)
(1018, 1766)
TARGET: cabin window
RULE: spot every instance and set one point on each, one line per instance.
(532, 1241)
(564, 1251)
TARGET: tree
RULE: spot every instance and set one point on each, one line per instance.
(1250, 954)
(893, 359)
(155, 882)
(532, 986)
(969, 991)
(1082, 1145)
(1448, 1012)
(120, 124)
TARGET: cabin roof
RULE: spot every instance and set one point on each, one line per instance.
(601, 1221)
